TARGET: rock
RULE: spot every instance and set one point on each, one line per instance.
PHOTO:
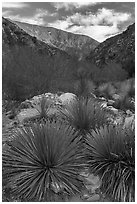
(52, 112)
(59, 93)
(119, 120)
(116, 97)
(56, 188)
(67, 98)
(94, 198)
(102, 99)
(8, 113)
(104, 104)
(84, 173)
(11, 125)
(114, 110)
(110, 102)
(85, 196)
(52, 100)
(92, 95)
(128, 112)
(25, 104)
(91, 179)
(130, 121)
(92, 183)
(26, 114)
(34, 104)
(75, 198)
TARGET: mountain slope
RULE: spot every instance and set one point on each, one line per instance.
(74, 44)
(120, 48)
(31, 66)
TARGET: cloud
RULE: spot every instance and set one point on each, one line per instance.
(15, 5)
(98, 25)
(36, 19)
(71, 5)
(99, 33)
(103, 16)
(6, 13)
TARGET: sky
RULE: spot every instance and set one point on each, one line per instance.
(98, 20)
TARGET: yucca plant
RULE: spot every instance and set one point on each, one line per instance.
(112, 157)
(84, 114)
(42, 161)
(43, 107)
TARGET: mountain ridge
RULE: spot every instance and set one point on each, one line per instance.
(33, 65)
(74, 44)
(119, 49)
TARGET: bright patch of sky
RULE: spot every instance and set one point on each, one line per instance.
(98, 20)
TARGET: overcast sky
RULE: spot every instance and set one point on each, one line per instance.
(98, 20)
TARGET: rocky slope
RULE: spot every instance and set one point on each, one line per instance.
(74, 44)
(120, 48)
(13, 35)
(28, 62)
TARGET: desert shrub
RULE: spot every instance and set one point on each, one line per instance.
(42, 162)
(112, 157)
(129, 66)
(106, 90)
(84, 114)
(43, 107)
(84, 87)
(124, 103)
(127, 88)
(27, 73)
(110, 72)
(126, 91)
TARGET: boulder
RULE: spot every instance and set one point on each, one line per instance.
(110, 102)
(35, 101)
(114, 110)
(67, 98)
(130, 121)
(119, 120)
(116, 97)
(92, 182)
(129, 113)
(52, 111)
(32, 107)
(26, 114)
(25, 104)
(91, 179)
(104, 104)
(94, 198)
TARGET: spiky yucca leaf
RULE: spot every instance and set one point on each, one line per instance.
(84, 114)
(43, 107)
(43, 159)
(112, 157)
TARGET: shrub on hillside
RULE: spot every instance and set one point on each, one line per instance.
(129, 66)
(110, 72)
(27, 72)
(127, 88)
(126, 91)
(106, 90)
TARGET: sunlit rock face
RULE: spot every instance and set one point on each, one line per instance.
(120, 48)
(76, 45)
